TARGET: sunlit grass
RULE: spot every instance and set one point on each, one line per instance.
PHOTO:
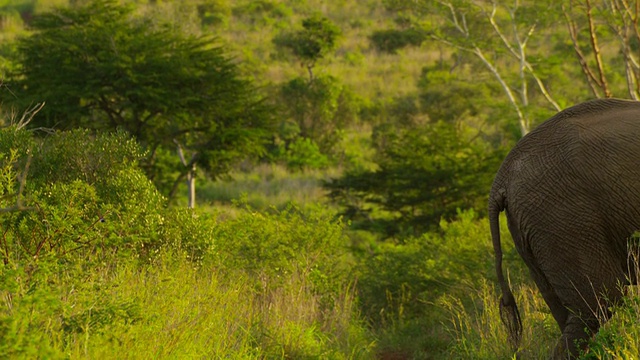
(619, 338)
(174, 310)
(369, 73)
(480, 334)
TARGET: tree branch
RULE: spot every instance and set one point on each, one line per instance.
(19, 206)
(582, 59)
(522, 121)
(626, 27)
(28, 115)
(596, 51)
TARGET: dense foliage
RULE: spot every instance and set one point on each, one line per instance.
(83, 232)
(403, 109)
(317, 38)
(103, 67)
(423, 174)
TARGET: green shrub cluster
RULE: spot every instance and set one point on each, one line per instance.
(392, 40)
(84, 196)
(618, 338)
(403, 284)
(94, 265)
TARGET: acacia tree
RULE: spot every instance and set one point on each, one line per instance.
(102, 67)
(314, 41)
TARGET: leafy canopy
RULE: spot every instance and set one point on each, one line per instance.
(102, 66)
(424, 173)
(317, 38)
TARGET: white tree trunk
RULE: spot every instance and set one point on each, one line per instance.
(191, 186)
(191, 176)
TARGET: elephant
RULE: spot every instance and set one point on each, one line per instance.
(571, 193)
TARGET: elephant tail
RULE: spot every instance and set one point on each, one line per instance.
(508, 309)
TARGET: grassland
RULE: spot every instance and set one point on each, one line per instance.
(265, 269)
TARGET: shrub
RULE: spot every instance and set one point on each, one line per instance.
(83, 155)
(84, 195)
(392, 40)
(619, 337)
(291, 242)
(304, 153)
(214, 12)
(401, 284)
(96, 266)
(418, 270)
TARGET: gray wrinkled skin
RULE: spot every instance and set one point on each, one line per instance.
(571, 193)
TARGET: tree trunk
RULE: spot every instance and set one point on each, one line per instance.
(191, 175)
(191, 186)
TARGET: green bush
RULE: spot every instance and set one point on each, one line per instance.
(84, 196)
(413, 273)
(263, 12)
(291, 242)
(401, 284)
(392, 40)
(94, 266)
(619, 337)
(82, 155)
(297, 264)
(304, 153)
(214, 12)
(188, 233)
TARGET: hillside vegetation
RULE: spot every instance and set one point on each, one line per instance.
(281, 179)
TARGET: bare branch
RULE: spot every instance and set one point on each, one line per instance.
(625, 27)
(28, 115)
(543, 88)
(454, 19)
(596, 51)
(19, 206)
(592, 80)
(523, 122)
(180, 153)
(496, 28)
(520, 54)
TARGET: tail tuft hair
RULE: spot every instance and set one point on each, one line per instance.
(511, 319)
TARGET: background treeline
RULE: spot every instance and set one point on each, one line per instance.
(343, 153)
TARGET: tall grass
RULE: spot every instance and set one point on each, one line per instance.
(480, 334)
(105, 270)
(619, 338)
(173, 310)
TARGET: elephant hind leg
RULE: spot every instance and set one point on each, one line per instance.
(575, 336)
(558, 310)
(585, 317)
